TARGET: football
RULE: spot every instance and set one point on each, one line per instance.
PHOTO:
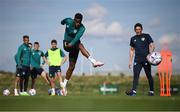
(32, 92)
(58, 92)
(154, 58)
(6, 92)
(49, 91)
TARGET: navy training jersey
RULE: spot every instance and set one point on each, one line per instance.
(141, 45)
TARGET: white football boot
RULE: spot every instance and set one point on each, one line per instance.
(64, 90)
(97, 64)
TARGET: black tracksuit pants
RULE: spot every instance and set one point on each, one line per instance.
(136, 71)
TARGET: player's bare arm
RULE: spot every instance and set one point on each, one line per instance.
(64, 60)
(45, 60)
(151, 47)
(131, 54)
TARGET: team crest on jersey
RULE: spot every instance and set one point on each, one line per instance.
(67, 26)
(146, 63)
(75, 31)
(135, 63)
(25, 49)
(39, 53)
(33, 53)
(134, 40)
(143, 39)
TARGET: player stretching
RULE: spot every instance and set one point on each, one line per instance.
(36, 55)
(72, 44)
(56, 58)
(142, 44)
(23, 63)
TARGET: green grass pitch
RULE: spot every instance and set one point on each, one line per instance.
(89, 103)
(83, 95)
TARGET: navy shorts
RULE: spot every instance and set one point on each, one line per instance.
(73, 51)
(53, 70)
(25, 71)
(18, 71)
(35, 72)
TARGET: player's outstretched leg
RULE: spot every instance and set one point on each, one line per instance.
(88, 56)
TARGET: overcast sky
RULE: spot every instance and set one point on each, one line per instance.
(109, 27)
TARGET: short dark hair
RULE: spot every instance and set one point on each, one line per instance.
(29, 43)
(138, 25)
(36, 43)
(78, 16)
(54, 41)
(25, 36)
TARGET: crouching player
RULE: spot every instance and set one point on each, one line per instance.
(56, 59)
(36, 68)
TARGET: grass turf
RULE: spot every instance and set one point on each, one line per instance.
(83, 95)
(90, 103)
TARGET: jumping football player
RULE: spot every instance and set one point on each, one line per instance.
(72, 44)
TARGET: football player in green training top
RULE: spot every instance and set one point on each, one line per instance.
(56, 59)
(72, 44)
(23, 63)
(36, 68)
(18, 74)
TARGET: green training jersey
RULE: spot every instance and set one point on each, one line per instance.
(72, 34)
(23, 55)
(36, 58)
